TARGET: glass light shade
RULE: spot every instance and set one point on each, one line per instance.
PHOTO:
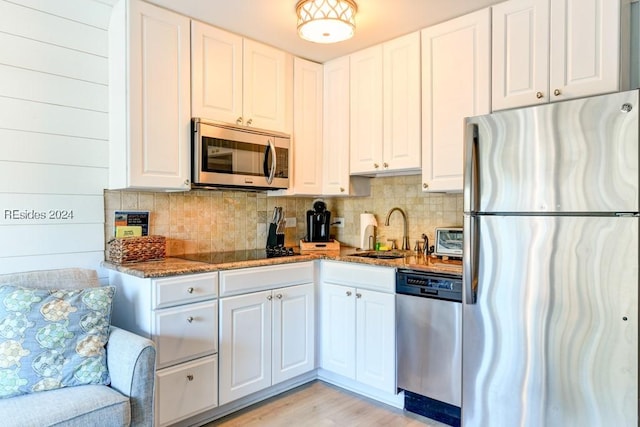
(326, 21)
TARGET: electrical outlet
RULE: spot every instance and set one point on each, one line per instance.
(339, 222)
(290, 222)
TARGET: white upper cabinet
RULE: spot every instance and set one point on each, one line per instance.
(149, 98)
(335, 136)
(585, 48)
(240, 81)
(216, 73)
(307, 127)
(546, 51)
(401, 101)
(267, 87)
(385, 107)
(456, 67)
(366, 110)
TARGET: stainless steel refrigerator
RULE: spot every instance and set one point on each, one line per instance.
(550, 310)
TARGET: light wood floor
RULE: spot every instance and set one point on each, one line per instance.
(323, 405)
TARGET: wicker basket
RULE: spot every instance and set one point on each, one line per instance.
(136, 249)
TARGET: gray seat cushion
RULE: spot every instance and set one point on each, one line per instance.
(81, 406)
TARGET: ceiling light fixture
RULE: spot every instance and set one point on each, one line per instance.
(326, 21)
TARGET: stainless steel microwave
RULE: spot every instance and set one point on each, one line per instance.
(225, 155)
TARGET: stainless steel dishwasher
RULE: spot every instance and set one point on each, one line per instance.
(429, 343)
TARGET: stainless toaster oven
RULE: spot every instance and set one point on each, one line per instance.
(448, 242)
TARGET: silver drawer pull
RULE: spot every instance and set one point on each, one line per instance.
(358, 295)
(279, 296)
(190, 377)
(269, 297)
(190, 319)
(190, 290)
(348, 293)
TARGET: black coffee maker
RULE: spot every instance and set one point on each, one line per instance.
(318, 223)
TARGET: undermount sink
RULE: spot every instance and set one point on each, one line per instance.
(379, 255)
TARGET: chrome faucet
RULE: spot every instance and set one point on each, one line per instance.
(405, 238)
(425, 249)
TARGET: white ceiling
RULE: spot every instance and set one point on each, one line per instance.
(274, 21)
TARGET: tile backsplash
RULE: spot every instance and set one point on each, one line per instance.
(204, 221)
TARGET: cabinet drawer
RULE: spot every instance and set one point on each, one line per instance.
(359, 276)
(245, 280)
(186, 332)
(182, 289)
(186, 390)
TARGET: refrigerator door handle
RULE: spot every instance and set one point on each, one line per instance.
(471, 183)
(470, 259)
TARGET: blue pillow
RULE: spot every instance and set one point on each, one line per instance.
(53, 338)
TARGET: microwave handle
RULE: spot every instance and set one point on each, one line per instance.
(269, 174)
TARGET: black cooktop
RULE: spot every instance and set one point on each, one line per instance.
(239, 256)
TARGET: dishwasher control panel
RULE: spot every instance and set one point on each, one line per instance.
(429, 285)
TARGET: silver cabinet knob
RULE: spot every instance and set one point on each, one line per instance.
(190, 377)
(385, 165)
(375, 165)
(249, 122)
(190, 290)
(269, 297)
(279, 296)
(190, 319)
(348, 293)
(425, 185)
(187, 182)
(239, 120)
(539, 95)
(342, 189)
(358, 295)
(556, 92)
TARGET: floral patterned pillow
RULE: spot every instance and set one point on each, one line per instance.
(53, 338)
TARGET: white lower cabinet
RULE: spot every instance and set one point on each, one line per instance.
(245, 347)
(180, 314)
(266, 336)
(186, 389)
(358, 323)
(184, 332)
(293, 337)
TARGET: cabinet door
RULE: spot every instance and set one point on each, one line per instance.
(335, 136)
(520, 53)
(150, 106)
(245, 345)
(307, 127)
(216, 73)
(265, 80)
(338, 346)
(402, 140)
(293, 332)
(185, 390)
(186, 332)
(366, 111)
(376, 339)
(585, 48)
(456, 65)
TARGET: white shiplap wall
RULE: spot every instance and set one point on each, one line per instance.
(53, 132)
